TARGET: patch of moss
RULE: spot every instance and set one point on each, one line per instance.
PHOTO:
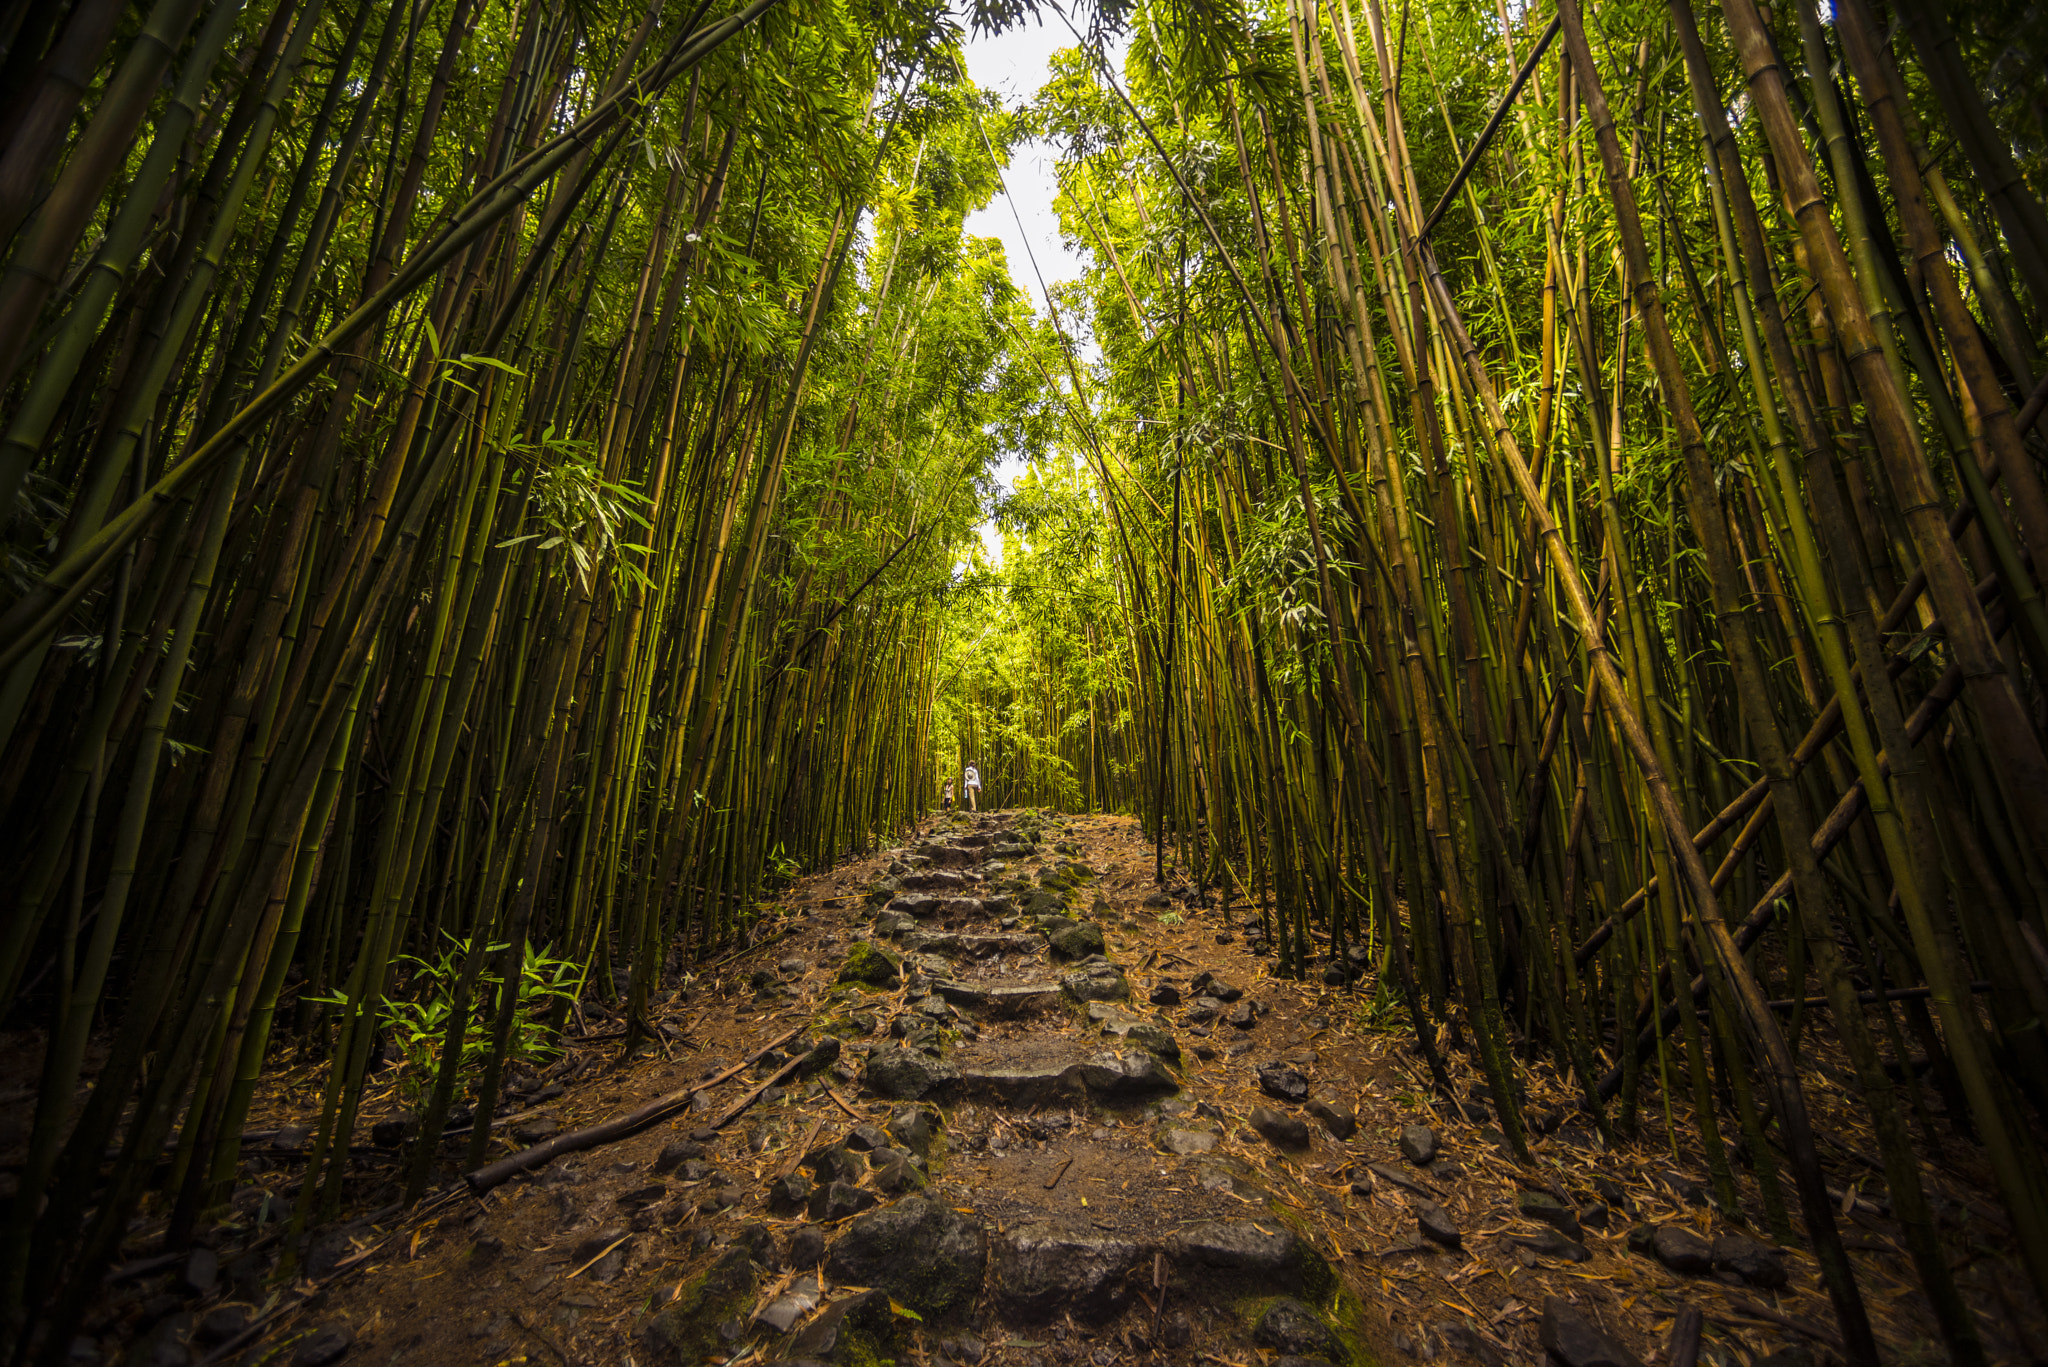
(688, 1328)
(868, 966)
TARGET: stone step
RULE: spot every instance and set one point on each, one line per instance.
(927, 905)
(1045, 1269)
(1113, 1076)
(999, 999)
(936, 880)
(970, 945)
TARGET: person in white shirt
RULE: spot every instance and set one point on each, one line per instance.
(972, 783)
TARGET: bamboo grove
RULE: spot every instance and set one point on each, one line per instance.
(1573, 479)
(482, 482)
(1544, 500)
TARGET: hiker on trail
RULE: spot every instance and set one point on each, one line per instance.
(972, 782)
(946, 802)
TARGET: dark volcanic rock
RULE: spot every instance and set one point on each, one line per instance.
(1612, 1192)
(788, 1195)
(911, 1127)
(323, 1346)
(389, 1134)
(834, 1163)
(674, 1155)
(1128, 1076)
(1096, 983)
(806, 1247)
(908, 1074)
(1436, 1223)
(922, 1252)
(869, 965)
(1244, 1256)
(1753, 1262)
(1460, 1337)
(897, 1174)
(1281, 1131)
(1283, 1083)
(866, 1138)
(1166, 994)
(827, 1337)
(1044, 1269)
(1418, 1144)
(1575, 1341)
(1341, 1124)
(202, 1270)
(1681, 1250)
(839, 1200)
(223, 1322)
(1288, 1326)
(1016, 1086)
(1078, 942)
(1551, 1244)
(1541, 1205)
(1146, 1034)
(1244, 1016)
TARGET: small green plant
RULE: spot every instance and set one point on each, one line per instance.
(416, 1014)
(1169, 918)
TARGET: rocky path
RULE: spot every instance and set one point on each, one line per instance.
(1024, 1109)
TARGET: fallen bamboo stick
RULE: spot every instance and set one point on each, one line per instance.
(622, 1127)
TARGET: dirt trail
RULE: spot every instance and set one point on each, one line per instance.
(1041, 1113)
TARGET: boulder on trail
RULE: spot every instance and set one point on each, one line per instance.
(839, 1200)
(908, 1074)
(932, 880)
(1575, 1341)
(1288, 1326)
(872, 967)
(911, 1127)
(1186, 1142)
(1245, 1256)
(922, 1252)
(830, 1334)
(1123, 1077)
(1436, 1223)
(1541, 1205)
(1341, 1124)
(1681, 1250)
(1096, 983)
(1044, 1269)
(1418, 1144)
(1283, 1083)
(1753, 1262)
(1280, 1130)
(1145, 1034)
(788, 1195)
(1078, 942)
(834, 1163)
(926, 905)
(1166, 994)
(1551, 1244)
(688, 1328)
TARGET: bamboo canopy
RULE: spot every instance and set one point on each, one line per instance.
(1545, 503)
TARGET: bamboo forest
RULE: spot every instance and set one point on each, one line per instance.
(626, 737)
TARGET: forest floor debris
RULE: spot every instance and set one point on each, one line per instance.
(1130, 1146)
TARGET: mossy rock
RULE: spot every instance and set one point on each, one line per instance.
(871, 967)
(1078, 941)
(687, 1331)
